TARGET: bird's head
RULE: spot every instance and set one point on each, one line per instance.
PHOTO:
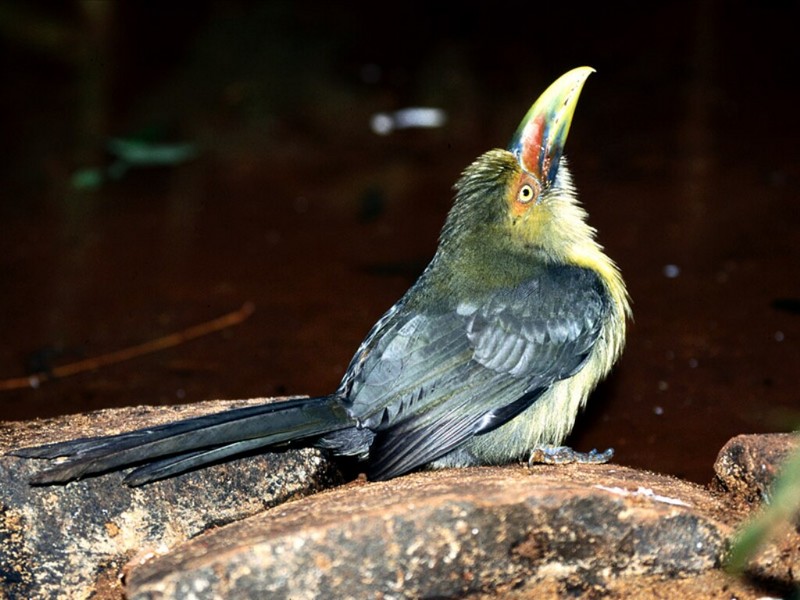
(520, 201)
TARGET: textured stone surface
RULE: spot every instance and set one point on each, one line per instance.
(576, 528)
(746, 468)
(710, 585)
(777, 562)
(747, 465)
(513, 532)
(72, 540)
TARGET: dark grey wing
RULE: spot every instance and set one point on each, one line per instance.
(429, 381)
(541, 331)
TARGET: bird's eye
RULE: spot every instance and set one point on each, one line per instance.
(525, 194)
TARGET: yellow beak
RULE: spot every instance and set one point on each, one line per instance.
(539, 140)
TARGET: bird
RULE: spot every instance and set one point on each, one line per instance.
(487, 359)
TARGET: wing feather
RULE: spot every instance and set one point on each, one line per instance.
(429, 381)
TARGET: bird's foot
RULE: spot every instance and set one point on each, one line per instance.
(561, 455)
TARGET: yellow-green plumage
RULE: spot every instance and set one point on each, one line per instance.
(491, 241)
(508, 252)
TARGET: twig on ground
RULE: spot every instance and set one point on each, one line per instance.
(167, 341)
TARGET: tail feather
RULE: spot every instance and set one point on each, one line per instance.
(192, 442)
(181, 463)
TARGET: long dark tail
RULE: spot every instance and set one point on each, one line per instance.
(192, 442)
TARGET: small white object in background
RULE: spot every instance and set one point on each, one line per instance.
(671, 271)
(407, 118)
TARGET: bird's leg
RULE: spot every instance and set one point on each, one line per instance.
(560, 455)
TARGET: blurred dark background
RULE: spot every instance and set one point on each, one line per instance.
(260, 179)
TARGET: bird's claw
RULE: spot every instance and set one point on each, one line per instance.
(560, 455)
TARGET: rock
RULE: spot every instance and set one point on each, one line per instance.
(72, 540)
(574, 528)
(746, 466)
(710, 585)
(777, 562)
(241, 529)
